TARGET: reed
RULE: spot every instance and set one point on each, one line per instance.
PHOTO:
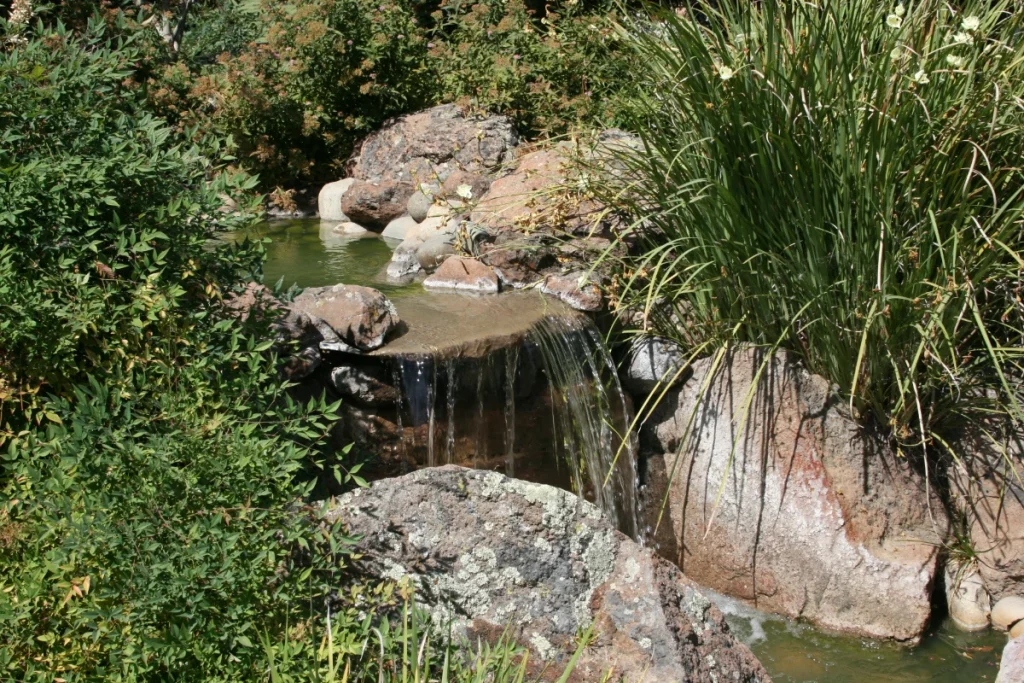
(841, 178)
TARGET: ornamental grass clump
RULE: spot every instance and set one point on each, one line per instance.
(841, 179)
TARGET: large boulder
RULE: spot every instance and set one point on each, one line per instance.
(348, 317)
(375, 204)
(776, 496)
(986, 487)
(492, 555)
(329, 200)
(1011, 668)
(428, 146)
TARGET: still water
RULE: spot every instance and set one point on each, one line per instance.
(303, 254)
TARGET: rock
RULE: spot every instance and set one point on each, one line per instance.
(574, 290)
(418, 206)
(520, 262)
(301, 364)
(1017, 630)
(350, 229)
(653, 362)
(329, 200)
(464, 274)
(513, 200)
(439, 211)
(256, 301)
(487, 553)
(968, 601)
(350, 318)
(1007, 612)
(434, 250)
(461, 183)
(400, 228)
(805, 513)
(985, 483)
(1011, 667)
(375, 204)
(430, 145)
(433, 226)
(366, 384)
(404, 262)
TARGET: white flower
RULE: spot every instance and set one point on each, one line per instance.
(955, 61)
(920, 77)
(464, 191)
(962, 38)
(894, 21)
(897, 53)
(971, 23)
(725, 73)
(900, 10)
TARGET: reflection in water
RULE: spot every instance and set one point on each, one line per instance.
(308, 254)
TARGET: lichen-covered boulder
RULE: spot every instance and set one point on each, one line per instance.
(348, 317)
(776, 496)
(488, 553)
(430, 145)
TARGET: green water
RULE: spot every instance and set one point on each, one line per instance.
(306, 255)
(797, 653)
(303, 254)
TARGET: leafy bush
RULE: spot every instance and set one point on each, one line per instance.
(326, 73)
(843, 179)
(104, 223)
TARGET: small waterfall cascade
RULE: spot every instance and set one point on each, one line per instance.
(547, 409)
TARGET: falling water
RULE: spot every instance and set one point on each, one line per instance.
(569, 427)
(592, 417)
(511, 364)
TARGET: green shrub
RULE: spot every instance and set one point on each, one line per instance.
(842, 179)
(104, 224)
(326, 73)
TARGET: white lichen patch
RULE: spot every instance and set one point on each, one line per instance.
(543, 646)
(598, 557)
(632, 570)
(542, 544)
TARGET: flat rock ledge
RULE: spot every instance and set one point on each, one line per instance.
(488, 553)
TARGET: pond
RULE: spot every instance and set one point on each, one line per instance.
(302, 253)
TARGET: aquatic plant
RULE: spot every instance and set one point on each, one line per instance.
(843, 179)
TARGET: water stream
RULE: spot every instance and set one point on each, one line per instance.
(543, 403)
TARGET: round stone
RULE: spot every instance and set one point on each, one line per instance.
(1017, 630)
(968, 601)
(1007, 612)
(419, 205)
(431, 253)
(401, 228)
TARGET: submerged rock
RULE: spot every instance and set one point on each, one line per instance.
(488, 553)
(804, 512)
(464, 274)
(349, 317)
(329, 200)
(1011, 667)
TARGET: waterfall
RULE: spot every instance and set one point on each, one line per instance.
(548, 409)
